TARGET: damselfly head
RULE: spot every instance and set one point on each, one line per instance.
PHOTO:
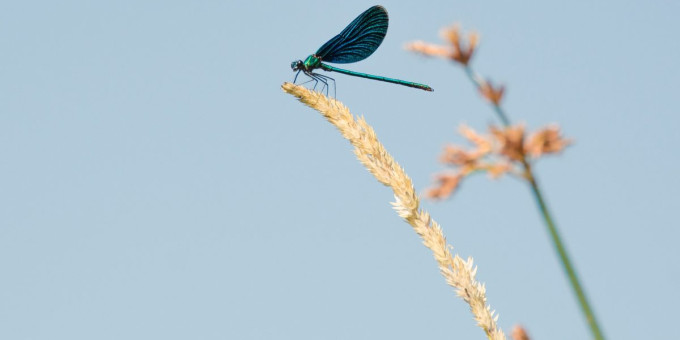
(296, 65)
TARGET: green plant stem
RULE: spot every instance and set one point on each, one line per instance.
(564, 256)
(547, 218)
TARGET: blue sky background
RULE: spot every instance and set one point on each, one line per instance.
(156, 183)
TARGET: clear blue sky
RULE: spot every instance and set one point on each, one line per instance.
(156, 183)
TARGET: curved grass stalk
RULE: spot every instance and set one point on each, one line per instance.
(459, 273)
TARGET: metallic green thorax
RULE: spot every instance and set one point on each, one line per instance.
(312, 62)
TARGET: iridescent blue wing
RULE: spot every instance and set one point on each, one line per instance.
(358, 40)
